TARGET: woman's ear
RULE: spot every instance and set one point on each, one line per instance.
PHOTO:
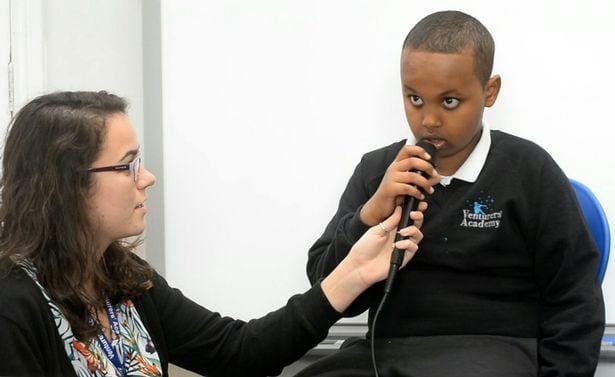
(492, 89)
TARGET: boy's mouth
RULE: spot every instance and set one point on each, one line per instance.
(438, 143)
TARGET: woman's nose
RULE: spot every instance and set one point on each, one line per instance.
(146, 179)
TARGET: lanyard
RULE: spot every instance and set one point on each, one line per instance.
(105, 344)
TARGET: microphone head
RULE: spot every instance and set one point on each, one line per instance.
(429, 148)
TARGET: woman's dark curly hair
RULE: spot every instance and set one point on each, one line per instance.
(44, 194)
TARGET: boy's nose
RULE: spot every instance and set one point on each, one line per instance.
(431, 120)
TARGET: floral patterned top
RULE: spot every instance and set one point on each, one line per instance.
(89, 359)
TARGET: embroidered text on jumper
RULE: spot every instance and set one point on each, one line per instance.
(480, 216)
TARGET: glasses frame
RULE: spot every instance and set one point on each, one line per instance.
(134, 166)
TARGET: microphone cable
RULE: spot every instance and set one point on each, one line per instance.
(372, 336)
(397, 256)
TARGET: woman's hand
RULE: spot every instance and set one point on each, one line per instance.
(369, 259)
(372, 252)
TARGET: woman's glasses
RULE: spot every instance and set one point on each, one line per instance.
(134, 166)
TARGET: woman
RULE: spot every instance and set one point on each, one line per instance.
(75, 300)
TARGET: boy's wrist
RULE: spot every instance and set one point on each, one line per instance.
(366, 215)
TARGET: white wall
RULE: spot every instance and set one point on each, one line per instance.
(99, 45)
(4, 58)
(269, 105)
(95, 45)
(76, 45)
(22, 55)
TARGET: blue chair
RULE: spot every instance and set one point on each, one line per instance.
(596, 221)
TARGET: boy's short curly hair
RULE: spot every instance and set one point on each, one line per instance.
(452, 32)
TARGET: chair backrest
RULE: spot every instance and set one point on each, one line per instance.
(596, 221)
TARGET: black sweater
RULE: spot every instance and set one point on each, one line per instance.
(506, 255)
(183, 332)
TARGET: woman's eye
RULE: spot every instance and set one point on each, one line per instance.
(415, 100)
(450, 103)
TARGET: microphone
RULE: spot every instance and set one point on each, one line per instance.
(410, 204)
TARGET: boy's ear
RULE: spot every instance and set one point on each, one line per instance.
(492, 89)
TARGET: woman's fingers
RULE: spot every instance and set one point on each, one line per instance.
(417, 217)
(408, 244)
(412, 233)
(392, 221)
(422, 206)
(407, 256)
(386, 226)
(413, 237)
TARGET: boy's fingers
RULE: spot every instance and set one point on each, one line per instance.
(415, 179)
(412, 150)
(418, 164)
(410, 190)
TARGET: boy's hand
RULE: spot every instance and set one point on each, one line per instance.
(400, 180)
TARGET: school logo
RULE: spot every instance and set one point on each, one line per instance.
(479, 214)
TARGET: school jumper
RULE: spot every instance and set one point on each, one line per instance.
(506, 253)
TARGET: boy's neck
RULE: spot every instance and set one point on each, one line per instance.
(449, 165)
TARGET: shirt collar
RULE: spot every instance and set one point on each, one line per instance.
(473, 165)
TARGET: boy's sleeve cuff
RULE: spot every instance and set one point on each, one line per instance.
(355, 227)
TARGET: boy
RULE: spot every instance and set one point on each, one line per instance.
(504, 282)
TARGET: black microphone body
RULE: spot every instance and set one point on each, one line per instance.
(410, 204)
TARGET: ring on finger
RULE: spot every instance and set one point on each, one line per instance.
(384, 229)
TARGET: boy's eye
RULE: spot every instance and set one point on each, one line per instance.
(415, 100)
(450, 103)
